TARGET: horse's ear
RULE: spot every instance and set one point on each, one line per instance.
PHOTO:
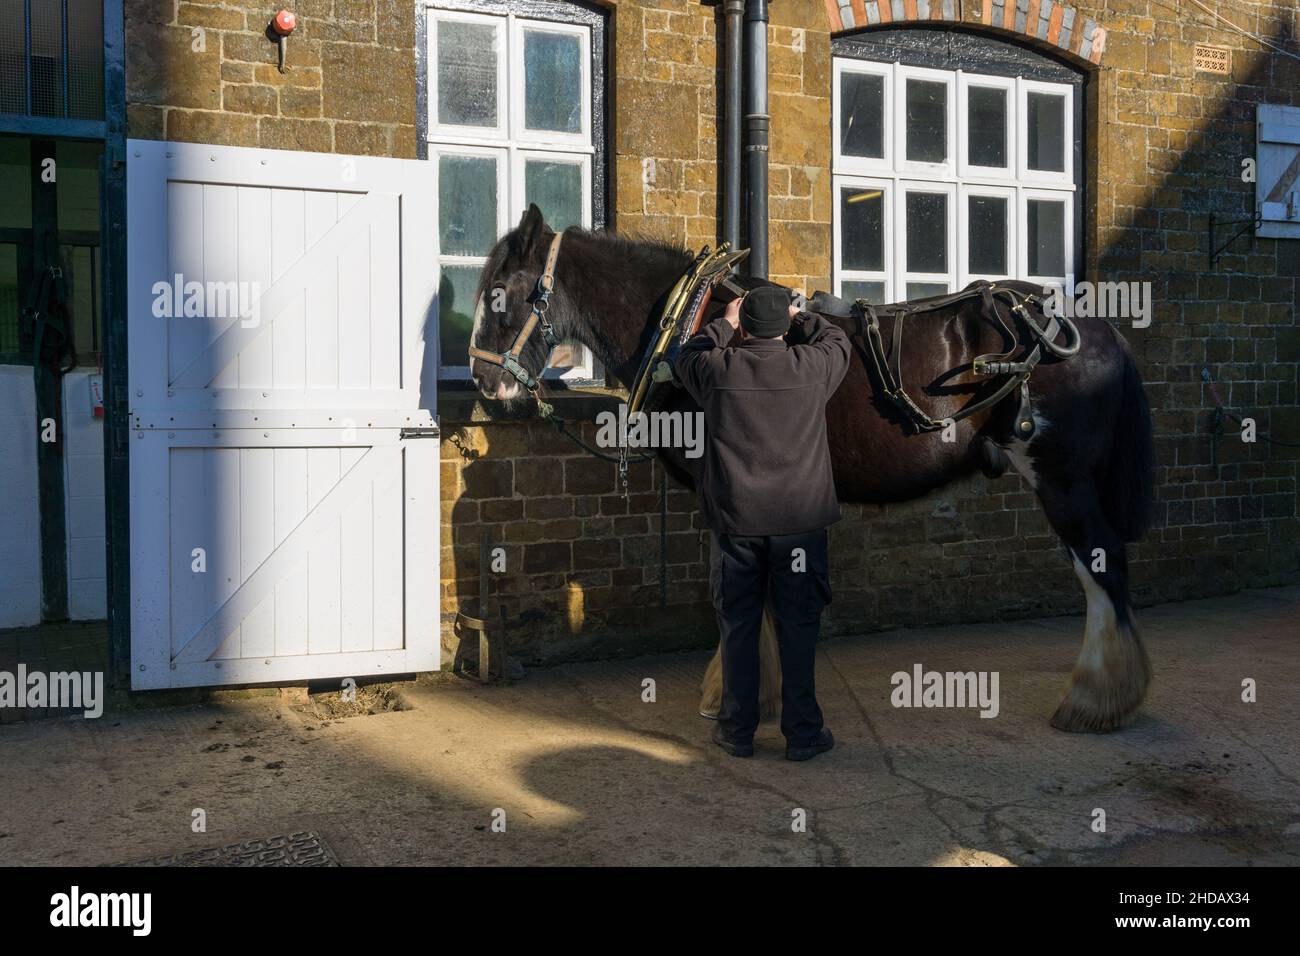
(530, 229)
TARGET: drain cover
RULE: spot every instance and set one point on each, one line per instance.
(304, 848)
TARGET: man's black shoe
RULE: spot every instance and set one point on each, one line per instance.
(735, 749)
(823, 743)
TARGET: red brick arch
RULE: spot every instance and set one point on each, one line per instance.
(1045, 22)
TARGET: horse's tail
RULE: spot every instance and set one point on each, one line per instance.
(1128, 486)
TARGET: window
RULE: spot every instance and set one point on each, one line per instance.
(52, 58)
(33, 214)
(513, 117)
(946, 175)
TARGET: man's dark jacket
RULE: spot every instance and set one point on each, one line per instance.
(767, 467)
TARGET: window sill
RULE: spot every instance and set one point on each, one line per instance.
(465, 406)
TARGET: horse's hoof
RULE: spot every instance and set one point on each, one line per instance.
(1074, 718)
(708, 714)
(1084, 710)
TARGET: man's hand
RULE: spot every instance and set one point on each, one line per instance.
(732, 315)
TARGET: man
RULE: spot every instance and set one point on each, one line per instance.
(767, 495)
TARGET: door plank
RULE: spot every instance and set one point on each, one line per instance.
(318, 264)
(320, 521)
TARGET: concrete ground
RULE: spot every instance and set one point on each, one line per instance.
(588, 773)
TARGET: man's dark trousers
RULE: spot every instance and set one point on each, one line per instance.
(745, 571)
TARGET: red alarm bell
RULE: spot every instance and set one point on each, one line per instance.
(284, 23)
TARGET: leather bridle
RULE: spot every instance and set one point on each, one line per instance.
(540, 299)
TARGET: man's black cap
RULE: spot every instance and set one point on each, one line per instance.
(765, 313)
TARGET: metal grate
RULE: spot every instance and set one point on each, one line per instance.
(304, 848)
(1212, 59)
(52, 58)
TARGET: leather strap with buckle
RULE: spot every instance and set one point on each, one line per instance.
(540, 299)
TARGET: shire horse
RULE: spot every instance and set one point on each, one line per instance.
(1089, 458)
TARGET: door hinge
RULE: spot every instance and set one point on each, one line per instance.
(420, 431)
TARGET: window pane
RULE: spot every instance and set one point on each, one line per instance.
(467, 73)
(927, 232)
(987, 218)
(82, 279)
(9, 305)
(862, 229)
(862, 114)
(986, 113)
(1046, 232)
(78, 193)
(467, 205)
(47, 59)
(552, 81)
(923, 290)
(566, 356)
(1046, 121)
(13, 59)
(456, 291)
(15, 183)
(86, 59)
(557, 190)
(927, 126)
(873, 292)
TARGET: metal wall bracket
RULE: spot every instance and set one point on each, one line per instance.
(1244, 227)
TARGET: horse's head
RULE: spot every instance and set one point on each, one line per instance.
(506, 294)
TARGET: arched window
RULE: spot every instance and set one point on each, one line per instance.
(956, 157)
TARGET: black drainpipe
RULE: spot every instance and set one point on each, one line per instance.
(733, 12)
(756, 123)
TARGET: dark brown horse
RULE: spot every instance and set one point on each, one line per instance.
(1089, 459)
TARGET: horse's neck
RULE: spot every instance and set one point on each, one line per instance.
(614, 290)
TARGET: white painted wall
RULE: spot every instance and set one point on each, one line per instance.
(83, 461)
(20, 522)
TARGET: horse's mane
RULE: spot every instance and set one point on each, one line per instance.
(633, 247)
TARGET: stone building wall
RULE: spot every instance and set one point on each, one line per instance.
(614, 574)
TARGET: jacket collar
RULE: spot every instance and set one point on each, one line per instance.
(764, 345)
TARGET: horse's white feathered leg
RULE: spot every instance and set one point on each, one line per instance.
(1111, 676)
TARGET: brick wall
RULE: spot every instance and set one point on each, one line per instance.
(668, 65)
(1168, 150)
(205, 72)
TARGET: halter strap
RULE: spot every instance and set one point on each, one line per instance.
(509, 359)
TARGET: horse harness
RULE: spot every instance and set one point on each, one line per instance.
(888, 366)
(540, 301)
(688, 299)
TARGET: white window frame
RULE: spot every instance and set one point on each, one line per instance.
(1066, 198)
(579, 140)
(948, 80)
(1041, 176)
(863, 164)
(513, 145)
(906, 273)
(470, 134)
(1011, 254)
(967, 170)
(519, 166)
(957, 178)
(888, 233)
